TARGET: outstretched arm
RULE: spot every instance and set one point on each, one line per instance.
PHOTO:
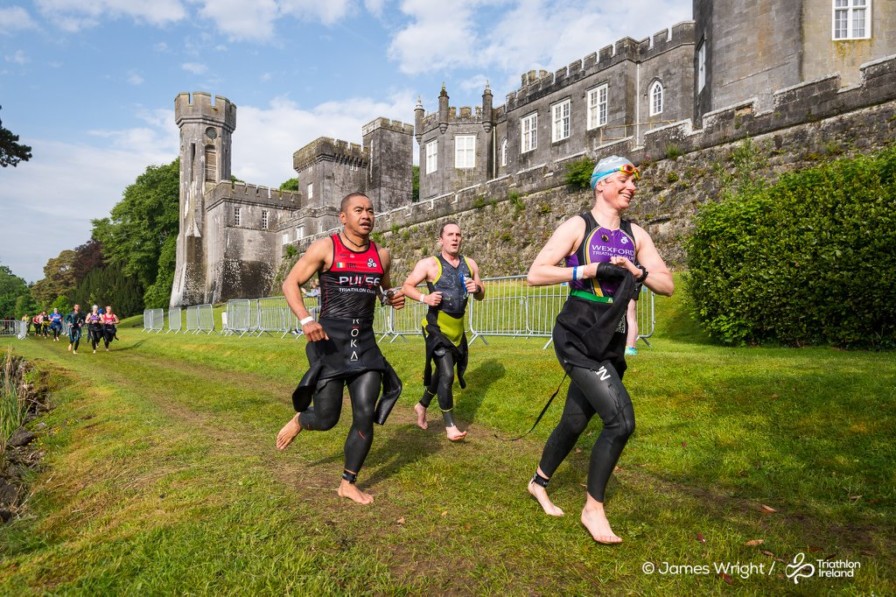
(311, 262)
(544, 271)
(423, 271)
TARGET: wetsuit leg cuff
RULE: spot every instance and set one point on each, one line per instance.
(540, 481)
(350, 477)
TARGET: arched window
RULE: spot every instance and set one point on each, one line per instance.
(656, 98)
(504, 153)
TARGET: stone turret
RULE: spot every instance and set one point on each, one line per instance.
(443, 110)
(419, 112)
(488, 117)
(206, 126)
(390, 150)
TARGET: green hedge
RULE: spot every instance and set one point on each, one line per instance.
(809, 260)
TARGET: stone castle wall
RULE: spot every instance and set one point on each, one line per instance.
(508, 219)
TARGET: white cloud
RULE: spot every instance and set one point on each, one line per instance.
(15, 18)
(327, 12)
(75, 15)
(134, 78)
(242, 20)
(194, 67)
(375, 7)
(436, 39)
(87, 181)
(160, 47)
(266, 137)
(18, 57)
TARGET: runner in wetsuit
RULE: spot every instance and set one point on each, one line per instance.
(110, 320)
(600, 250)
(75, 320)
(94, 327)
(450, 278)
(342, 349)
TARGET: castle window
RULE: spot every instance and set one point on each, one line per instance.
(285, 238)
(264, 219)
(852, 19)
(236, 216)
(701, 67)
(529, 133)
(597, 106)
(310, 190)
(656, 98)
(211, 164)
(504, 152)
(432, 157)
(465, 151)
(300, 232)
(560, 121)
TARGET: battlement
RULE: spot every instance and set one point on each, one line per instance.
(238, 192)
(324, 149)
(462, 115)
(537, 84)
(396, 126)
(205, 107)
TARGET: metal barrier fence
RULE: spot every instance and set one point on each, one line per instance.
(511, 308)
(13, 327)
(200, 318)
(153, 320)
(175, 320)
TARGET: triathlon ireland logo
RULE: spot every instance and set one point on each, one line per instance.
(799, 568)
(826, 568)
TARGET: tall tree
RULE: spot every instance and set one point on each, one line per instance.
(59, 278)
(11, 151)
(133, 236)
(11, 288)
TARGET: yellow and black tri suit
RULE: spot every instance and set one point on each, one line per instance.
(446, 342)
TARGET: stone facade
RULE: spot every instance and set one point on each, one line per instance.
(738, 71)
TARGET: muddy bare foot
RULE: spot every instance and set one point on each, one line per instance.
(350, 491)
(421, 416)
(288, 433)
(455, 434)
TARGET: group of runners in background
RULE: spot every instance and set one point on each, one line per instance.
(101, 326)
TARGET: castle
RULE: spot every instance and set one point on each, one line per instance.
(745, 57)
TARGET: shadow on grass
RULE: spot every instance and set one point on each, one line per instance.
(478, 382)
(406, 445)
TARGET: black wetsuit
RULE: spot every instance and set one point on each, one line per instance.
(446, 341)
(589, 339)
(350, 357)
(75, 321)
(94, 329)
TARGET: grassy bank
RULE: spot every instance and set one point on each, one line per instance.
(161, 476)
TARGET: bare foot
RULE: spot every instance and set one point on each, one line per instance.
(455, 434)
(421, 416)
(350, 491)
(288, 433)
(541, 495)
(595, 520)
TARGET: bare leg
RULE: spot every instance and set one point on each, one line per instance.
(595, 520)
(289, 432)
(350, 491)
(421, 416)
(541, 495)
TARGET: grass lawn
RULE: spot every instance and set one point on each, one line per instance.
(160, 475)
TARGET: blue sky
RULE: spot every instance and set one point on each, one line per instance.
(90, 84)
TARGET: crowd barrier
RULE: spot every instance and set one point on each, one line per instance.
(511, 308)
(175, 320)
(153, 320)
(200, 319)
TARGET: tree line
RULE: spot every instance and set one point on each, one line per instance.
(128, 262)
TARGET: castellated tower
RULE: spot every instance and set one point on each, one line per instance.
(390, 149)
(206, 126)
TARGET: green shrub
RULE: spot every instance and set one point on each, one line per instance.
(806, 261)
(578, 173)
